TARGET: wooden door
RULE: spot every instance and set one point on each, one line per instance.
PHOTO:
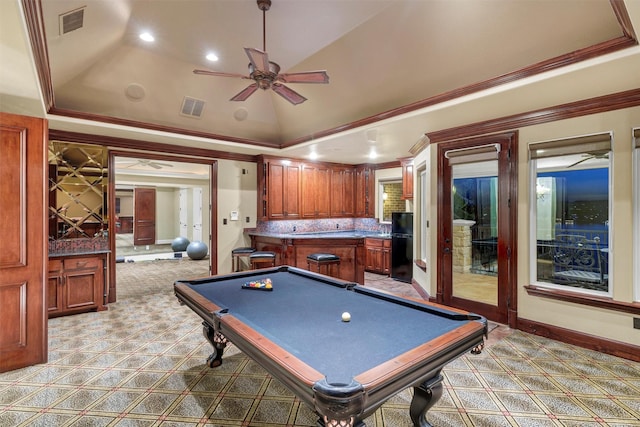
(23, 266)
(144, 217)
(477, 208)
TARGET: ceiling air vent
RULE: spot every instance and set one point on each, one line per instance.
(192, 107)
(71, 21)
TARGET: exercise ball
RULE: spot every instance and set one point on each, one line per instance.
(197, 250)
(179, 244)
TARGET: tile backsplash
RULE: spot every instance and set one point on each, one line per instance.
(322, 225)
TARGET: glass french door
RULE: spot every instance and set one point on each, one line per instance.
(477, 226)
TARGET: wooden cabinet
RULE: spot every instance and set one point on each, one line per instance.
(407, 178)
(316, 191)
(378, 255)
(343, 186)
(365, 192)
(75, 284)
(279, 189)
(289, 189)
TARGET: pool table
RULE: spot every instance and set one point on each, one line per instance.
(344, 370)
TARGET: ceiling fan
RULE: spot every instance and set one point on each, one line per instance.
(266, 74)
(150, 163)
(589, 156)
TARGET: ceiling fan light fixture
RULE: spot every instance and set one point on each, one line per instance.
(266, 74)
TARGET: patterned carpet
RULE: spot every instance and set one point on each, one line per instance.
(142, 363)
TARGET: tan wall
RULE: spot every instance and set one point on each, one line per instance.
(605, 323)
(236, 192)
(608, 324)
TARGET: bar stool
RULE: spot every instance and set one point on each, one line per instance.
(236, 254)
(262, 257)
(324, 259)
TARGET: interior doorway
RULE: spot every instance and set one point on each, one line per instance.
(155, 199)
(477, 227)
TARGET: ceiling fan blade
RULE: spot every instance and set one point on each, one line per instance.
(258, 58)
(219, 74)
(580, 161)
(305, 77)
(289, 94)
(245, 93)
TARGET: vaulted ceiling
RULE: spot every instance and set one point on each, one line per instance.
(390, 62)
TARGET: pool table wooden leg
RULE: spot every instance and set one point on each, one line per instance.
(424, 397)
(218, 342)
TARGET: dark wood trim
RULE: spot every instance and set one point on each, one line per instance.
(146, 146)
(507, 224)
(420, 290)
(213, 212)
(35, 28)
(603, 345)
(144, 125)
(584, 299)
(600, 104)
(621, 13)
(387, 165)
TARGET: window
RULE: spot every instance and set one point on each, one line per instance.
(636, 217)
(570, 199)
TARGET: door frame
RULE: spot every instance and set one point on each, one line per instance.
(213, 215)
(506, 310)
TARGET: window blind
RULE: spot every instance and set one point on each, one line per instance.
(599, 143)
(473, 154)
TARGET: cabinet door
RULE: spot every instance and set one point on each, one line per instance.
(315, 191)
(82, 283)
(349, 192)
(283, 190)
(54, 286)
(323, 192)
(292, 191)
(386, 257)
(407, 179)
(342, 192)
(365, 196)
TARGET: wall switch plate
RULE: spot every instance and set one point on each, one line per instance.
(248, 220)
(234, 215)
(636, 323)
(224, 221)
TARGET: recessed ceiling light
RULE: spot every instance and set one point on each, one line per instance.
(212, 57)
(147, 37)
(373, 154)
(313, 155)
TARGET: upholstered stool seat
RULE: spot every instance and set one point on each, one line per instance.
(258, 258)
(236, 254)
(323, 259)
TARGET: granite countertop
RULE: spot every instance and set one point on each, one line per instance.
(77, 253)
(79, 246)
(345, 234)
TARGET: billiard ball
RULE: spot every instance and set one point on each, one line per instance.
(346, 316)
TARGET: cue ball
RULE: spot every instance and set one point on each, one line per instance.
(346, 316)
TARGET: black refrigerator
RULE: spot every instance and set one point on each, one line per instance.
(402, 246)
